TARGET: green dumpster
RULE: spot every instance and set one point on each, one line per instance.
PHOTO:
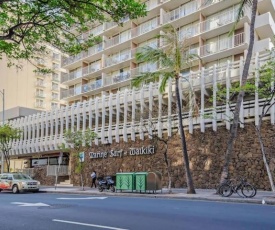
(125, 181)
(141, 181)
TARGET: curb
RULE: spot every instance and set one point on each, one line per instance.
(268, 201)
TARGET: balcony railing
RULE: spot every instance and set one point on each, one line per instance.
(71, 76)
(54, 98)
(39, 95)
(220, 20)
(40, 84)
(113, 79)
(55, 88)
(90, 69)
(181, 12)
(221, 45)
(150, 4)
(92, 86)
(117, 40)
(39, 105)
(113, 60)
(145, 27)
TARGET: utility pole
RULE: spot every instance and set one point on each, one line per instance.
(3, 122)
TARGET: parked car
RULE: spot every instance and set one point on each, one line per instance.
(18, 182)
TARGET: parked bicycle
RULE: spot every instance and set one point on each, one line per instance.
(242, 188)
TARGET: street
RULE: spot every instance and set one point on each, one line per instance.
(43, 211)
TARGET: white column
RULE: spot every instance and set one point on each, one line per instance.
(202, 101)
(103, 119)
(110, 104)
(256, 89)
(227, 108)
(190, 117)
(96, 119)
(241, 117)
(150, 110)
(170, 99)
(141, 133)
(90, 115)
(214, 112)
(78, 111)
(159, 115)
(84, 115)
(133, 135)
(125, 138)
(117, 115)
(72, 117)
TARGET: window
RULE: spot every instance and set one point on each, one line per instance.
(55, 86)
(40, 92)
(55, 96)
(55, 76)
(54, 105)
(55, 66)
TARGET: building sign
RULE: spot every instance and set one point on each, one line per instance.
(81, 157)
(149, 150)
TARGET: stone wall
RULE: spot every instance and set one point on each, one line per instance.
(206, 152)
(40, 174)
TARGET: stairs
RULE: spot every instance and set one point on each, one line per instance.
(66, 183)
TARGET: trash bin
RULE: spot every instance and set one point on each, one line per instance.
(125, 181)
(141, 181)
(154, 181)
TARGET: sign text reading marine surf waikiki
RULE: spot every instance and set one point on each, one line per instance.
(149, 150)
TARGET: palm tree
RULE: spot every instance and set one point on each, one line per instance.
(172, 58)
(234, 127)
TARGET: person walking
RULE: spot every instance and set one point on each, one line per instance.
(93, 175)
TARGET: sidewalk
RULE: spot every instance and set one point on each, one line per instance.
(202, 194)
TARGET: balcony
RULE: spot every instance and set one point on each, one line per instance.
(114, 79)
(222, 45)
(39, 95)
(151, 4)
(116, 59)
(40, 84)
(88, 70)
(56, 57)
(92, 86)
(145, 27)
(265, 26)
(71, 76)
(55, 88)
(117, 40)
(54, 98)
(39, 105)
(55, 79)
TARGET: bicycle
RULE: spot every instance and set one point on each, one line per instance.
(228, 188)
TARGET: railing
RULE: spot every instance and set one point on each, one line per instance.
(218, 21)
(150, 4)
(40, 95)
(67, 93)
(71, 76)
(40, 84)
(117, 40)
(221, 45)
(62, 170)
(145, 27)
(39, 105)
(117, 78)
(92, 86)
(115, 59)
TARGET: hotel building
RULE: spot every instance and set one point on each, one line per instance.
(99, 92)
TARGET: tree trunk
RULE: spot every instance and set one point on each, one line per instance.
(264, 158)
(168, 169)
(234, 127)
(189, 180)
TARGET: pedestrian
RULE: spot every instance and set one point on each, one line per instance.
(93, 175)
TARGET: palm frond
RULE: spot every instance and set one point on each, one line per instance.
(165, 77)
(145, 76)
(240, 13)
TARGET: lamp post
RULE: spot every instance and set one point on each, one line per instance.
(3, 122)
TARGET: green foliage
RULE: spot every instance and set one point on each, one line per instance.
(8, 134)
(172, 57)
(28, 27)
(78, 140)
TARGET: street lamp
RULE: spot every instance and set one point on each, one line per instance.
(3, 122)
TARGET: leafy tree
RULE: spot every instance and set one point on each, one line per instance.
(28, 27)
(173, 58)
(75, 143)
(234, 126)
(8, 134)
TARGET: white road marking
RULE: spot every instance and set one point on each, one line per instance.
(90, 225)
(81, 198)
(30, 204)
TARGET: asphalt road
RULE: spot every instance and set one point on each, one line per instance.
(74, 212)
